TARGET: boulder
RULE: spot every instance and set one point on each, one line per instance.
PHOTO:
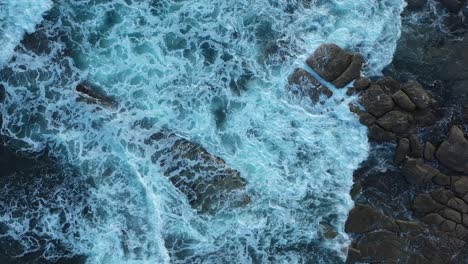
(330, 61)
(376, 101)
(425, 117)
(417, 147)
(423, 203)
(389, 85)
(452, 215)
(402, 150)
(378, 134)
(207, 181)
(403, 101)
(448, 226)
(361, 84)
(396, 121)
(363, 219)
(351, 73)
(433, 219)
(417, 94)
(381, 247)
(442, 195)
(458, 204)
(302, 83)
(442, 180)
(453, 152)
(461, 186)
(418, 173)
(429, 151)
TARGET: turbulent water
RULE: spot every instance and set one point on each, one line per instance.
(212, 71)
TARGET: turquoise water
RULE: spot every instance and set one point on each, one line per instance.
(213, 72)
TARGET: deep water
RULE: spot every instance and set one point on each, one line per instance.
(211, 71)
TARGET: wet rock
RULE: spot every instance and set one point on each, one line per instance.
(418, 173)
(381, 247)
(415, 4)
(378, 134)
(460, 231)
(351, 73)
(354, 255)
(416, 146)
(425, 117)
(207, 181)
(302, 83)
(402, 150)
(423, 203)
(448, 226)
(442, 180)
(95, 95)
(453, 6)
(329, 61)
(429, 151)
(395, 121)
(458, 204)
(403, 101)
(376, 101)
(363, 219)
(461, 186)
(389, 85)
(442, 195)
(361, 84)
(452, 215)
(417, 94)
(364, 117)
(433, 219)
(453, 152)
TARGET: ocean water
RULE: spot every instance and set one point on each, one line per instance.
(214, 73)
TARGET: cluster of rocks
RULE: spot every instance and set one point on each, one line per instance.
(395, 112)
(205, 179)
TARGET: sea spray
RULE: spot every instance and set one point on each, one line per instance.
(214, 72)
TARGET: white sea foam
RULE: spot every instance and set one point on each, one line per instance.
(214, 71)
(16, 18)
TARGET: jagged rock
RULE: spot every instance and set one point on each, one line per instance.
(423, 203)
(361, 84)
(442, 195)
(376, 101)
(417, 94)
(364, 117)
(433, 219)
(402, 150)
(452, 215)
(329, 61)
(417, 147)
(453, 152)
(395, 121)
(93, 94)
(403, 101)
(458, 204)
(378, 134)
(363, 219)
(207, 181)
(351, 73)
(302, 83)
(429, 151)
(418, 173)
(461, 186)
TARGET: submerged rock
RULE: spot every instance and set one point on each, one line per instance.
(207, 181)
(302, 83)
(94, 95)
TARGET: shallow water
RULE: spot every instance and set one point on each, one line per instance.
(213, 72)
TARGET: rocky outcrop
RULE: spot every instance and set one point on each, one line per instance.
(206, 180)
(453, 152)
(336, 65)
(92, 94)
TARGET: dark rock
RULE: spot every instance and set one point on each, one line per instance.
(402, 150)
(362, 83)
(465, 198)
(461, 186)
(448, 226)
(395, 121)
(417, 148)
(418, 173)
(425, 117)
(389, 85)
(363, 219)
(452, 215)
(364, 117)
(207, 181)
(417, 94)
(302, 83)
(429, 151)
(458, 204)
(354, 255)
(2, 93)
(423, 203)
(351, 73)
(403, 101)
(442, 195)
(381, 247)
(351, 91)
(465, 220)
(329, 61)
(465, 113)
(378, 134)
(95, 95)
(376, 101)
(453, 152)
(433, 219)
(442, 180)
(415, 4)
(453, 6)
(460, 231)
